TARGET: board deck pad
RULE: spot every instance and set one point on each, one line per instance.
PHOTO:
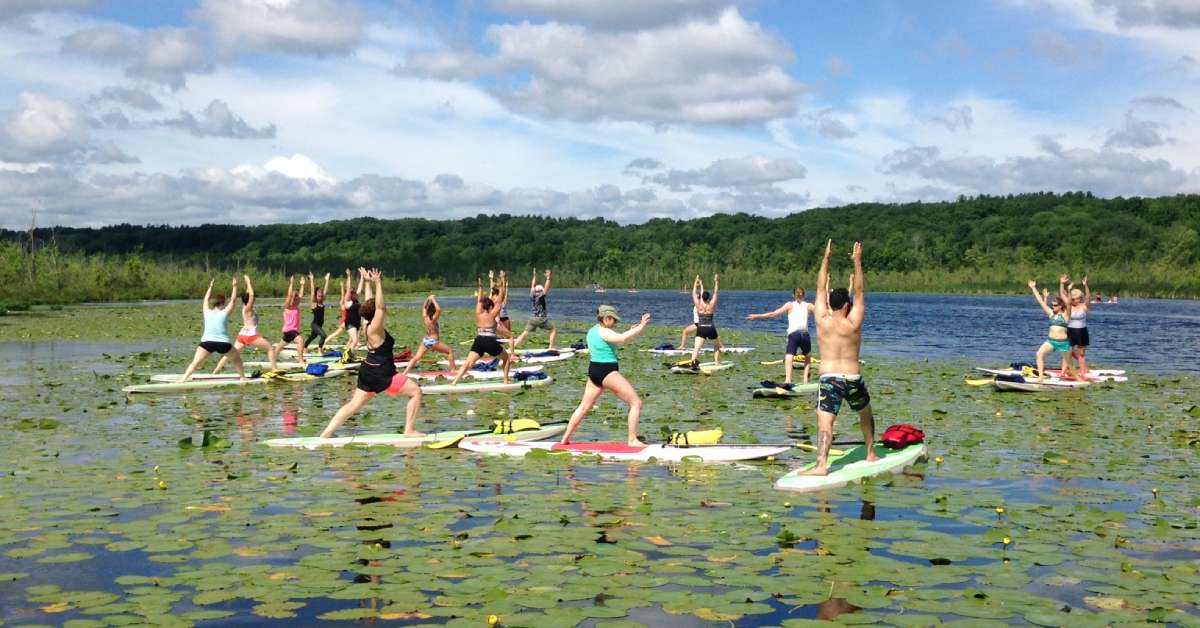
(851, 466)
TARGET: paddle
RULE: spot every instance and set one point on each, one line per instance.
(980, 381)
(512, 427)
(811, 447)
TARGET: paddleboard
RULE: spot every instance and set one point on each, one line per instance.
(1032, 385)
(399, 440)
(484, 387)
(851, 466)
(200, 384)
(1095, 375)
(621, 451)
(702, 350)
(799, 390)
(290, 366)
(496, 374)
(707, 368)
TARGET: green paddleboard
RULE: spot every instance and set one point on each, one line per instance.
(851, 466)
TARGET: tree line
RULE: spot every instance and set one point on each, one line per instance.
(1147, 246)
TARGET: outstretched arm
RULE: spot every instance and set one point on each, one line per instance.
(491, 281)
(780, 311)
(533, 282)
(312, 289)
(546, 285)
(376, 325)
(291, 284)
(1087, 293)
(621, 338)
(716, 290)
(437, 307)
(503, 289)
(821, 299)
(858, 310)
(1039, 298)
(207, 296)
(249, 291)
(697, 288)
(362, 275)
(1063, 297)
(325, 290)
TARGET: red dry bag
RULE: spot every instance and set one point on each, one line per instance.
(902, 435)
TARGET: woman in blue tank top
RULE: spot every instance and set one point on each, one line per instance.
(604, 374)
(216, 337)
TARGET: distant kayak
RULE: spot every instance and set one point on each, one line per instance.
(399, 440)
(622, 451)
(851, 466)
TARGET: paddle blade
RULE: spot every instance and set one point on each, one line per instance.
(443, 444)
(979, 382)
(811, 447)
(515, 425)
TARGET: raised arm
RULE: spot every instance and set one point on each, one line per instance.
(365, 275)
(621, 338)
(291, 283)
(325, 290)
(312, 289)
(716, 291)
(503, 289)
(207, 295)
(546, 285)
(437, 307)
(1087, 293)
(300, 292)
(780, 311)
(821, 298)
(249, 292)
(491, 281)
(533, 282)
(697, 288)
(232, 295)
(376, 324)
(1040, 299)
(858, 309)
(1063, 297)
(362, 276)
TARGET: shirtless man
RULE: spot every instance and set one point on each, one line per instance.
(839, 335)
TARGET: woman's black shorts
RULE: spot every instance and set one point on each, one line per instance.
(1078, 336)
(289, 336)
(375, 380)
(706, 332)
(597, 371)
(216, 347)
(486, 345)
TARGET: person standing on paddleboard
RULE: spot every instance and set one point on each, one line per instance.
(690, 329)
(1077, 331)
(216, 336)
(706, 309)
(344, 291)
(604, 372)
(316, 300)
(538, 318)
(248, 335)
(1057, 338)
(378, 371)
(291, 321)
(799, 343)
(486, 313)
(839, 320)
(431, 315)
(503, 323)
(354, 313)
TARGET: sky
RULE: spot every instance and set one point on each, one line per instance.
(267, 111)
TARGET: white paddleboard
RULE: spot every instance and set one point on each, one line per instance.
(399, 440)
(484, 387)
(706, 368)
(473, 374)
(1032, 385)
(1096, 375)
(799, 390)
(851, 466)
(621, 451)
(200, 384)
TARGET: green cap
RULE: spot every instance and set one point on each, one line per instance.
(607, 310)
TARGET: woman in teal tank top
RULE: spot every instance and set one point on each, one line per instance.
(1056, 339)
(216, 337)
(604, 373)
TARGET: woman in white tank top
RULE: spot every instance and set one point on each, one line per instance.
(798, 340)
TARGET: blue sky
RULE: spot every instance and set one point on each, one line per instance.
(252, 111)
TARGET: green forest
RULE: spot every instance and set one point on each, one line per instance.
(985, 244)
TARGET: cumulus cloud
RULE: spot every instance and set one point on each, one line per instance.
(722, 70)
(217, 120)
(168, 54)
(1137, 133)
(42, 127)
(746, 172)
(826, 124)
(106, 43)
(1180, 14)
(14, 8)
(1052, 46)
(613, 14)
(309, 27)
(955, 118)
(1105, 172)
(132, 97)
(639, 166)
(107, 152)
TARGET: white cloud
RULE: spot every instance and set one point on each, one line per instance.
(1137, 133)
(309, 27)
(132, 97)
(1182, 14)
(217, 120)
(614, 14)
(14, 8)
(168, 54)
(106, 43)
(751, 171)
(724, 70)
(42, 127)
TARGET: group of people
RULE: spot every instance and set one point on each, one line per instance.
(1068, 334)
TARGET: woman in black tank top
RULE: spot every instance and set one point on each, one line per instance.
(317, 299)
(378, 371)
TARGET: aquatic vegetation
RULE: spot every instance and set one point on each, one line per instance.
(1073, 509)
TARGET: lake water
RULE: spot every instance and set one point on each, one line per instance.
(1152, 335)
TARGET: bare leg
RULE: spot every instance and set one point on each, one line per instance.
(824, 442)
(699, 342)
(624, 390)
(225, 358)
(1081, 360)
(201, 355)
(237, 362)
(417, 358)
(807, 365)
(717, 346)
(683, 337)
(356, 402)
(553, 334)
(591, 393)
(787, 369)
(352, 341)
(866, 420)
(472, 357)
(300, 348)
(442, 347)
(520, 339)
(414, 405)
(273, 354)
(507, 356)
(329, 339)
(1041, 359)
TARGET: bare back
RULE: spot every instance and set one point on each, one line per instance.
(840, 340)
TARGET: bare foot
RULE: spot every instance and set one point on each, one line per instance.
(871, 457)
(565, 441)
(635, 443)
(816, 471)
(414, 433)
